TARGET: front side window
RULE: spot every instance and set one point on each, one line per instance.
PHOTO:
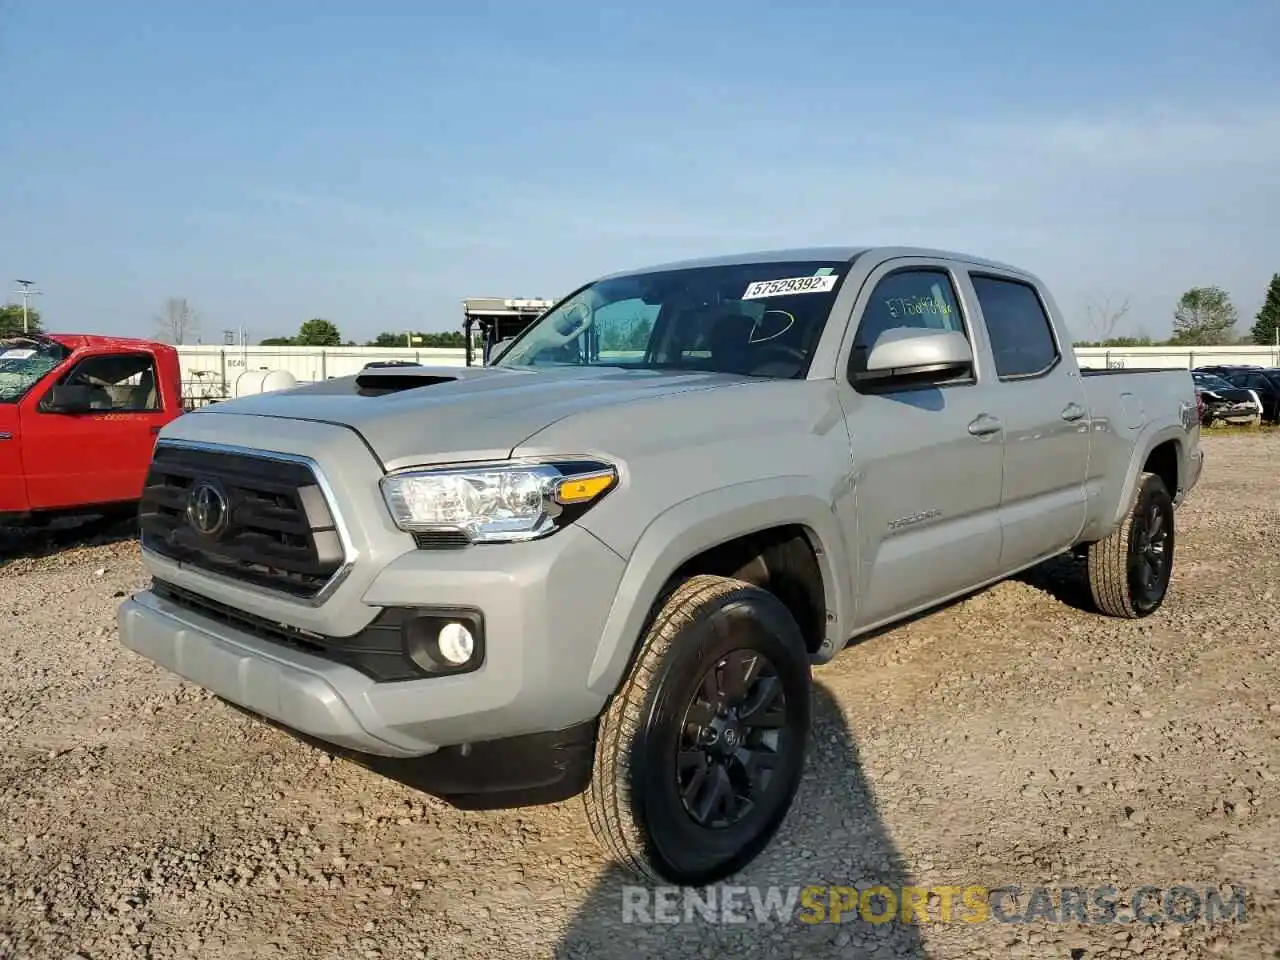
(23, 362)
(753, 319)
(120, 383)
(924, 299)
(1021, 337)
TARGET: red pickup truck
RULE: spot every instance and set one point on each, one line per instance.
(78, 420)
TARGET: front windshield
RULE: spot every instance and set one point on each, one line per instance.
(756, 319)
(23, 362)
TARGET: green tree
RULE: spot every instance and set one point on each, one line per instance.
(1264, 331)
(11, 320)
(318, 333)
(1204, 317)
(389, 338)
(447, 338)
(630, 335)
(276, 342)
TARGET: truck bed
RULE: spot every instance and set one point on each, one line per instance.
(1110, 371)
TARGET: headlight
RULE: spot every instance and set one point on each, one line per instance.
(499, 502)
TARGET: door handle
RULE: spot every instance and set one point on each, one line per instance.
(5, 436)
(984, 424)
(1073, 411)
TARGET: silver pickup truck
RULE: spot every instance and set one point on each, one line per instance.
(606, 564)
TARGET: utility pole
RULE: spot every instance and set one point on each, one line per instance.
(26, 293)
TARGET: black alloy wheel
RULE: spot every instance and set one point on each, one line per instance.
(732, 733)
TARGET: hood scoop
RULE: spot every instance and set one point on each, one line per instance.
(380, 382)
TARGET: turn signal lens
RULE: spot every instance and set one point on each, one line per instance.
(583, 489)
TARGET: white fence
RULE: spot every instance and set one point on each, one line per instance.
(210, 372)
(1140, 358)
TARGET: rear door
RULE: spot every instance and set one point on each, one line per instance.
(101, 456)
(926, 458)
(1042, 402)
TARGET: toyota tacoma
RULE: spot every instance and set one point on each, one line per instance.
(607, 563)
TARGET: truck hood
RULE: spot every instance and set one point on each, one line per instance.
(430, 415)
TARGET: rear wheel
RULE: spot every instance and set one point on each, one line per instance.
(1129, 571)
(700, 753)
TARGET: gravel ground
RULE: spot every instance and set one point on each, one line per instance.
(1012, 739)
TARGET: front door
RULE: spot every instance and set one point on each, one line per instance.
(927, 460)
(101, 456)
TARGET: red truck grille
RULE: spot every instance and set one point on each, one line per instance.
(256, 518)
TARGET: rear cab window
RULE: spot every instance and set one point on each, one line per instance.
(1022, 338)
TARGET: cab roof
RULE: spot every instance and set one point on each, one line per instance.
(847, 253)
(75, 341)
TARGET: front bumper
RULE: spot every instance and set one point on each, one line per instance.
(544, 605)
(1233, 411)
(306, 692)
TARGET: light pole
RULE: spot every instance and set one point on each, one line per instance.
(26, 293)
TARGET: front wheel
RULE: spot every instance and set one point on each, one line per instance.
(1129, 571)
(700, 753)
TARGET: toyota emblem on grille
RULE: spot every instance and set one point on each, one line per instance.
(207, 508)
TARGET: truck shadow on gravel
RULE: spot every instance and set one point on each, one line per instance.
(33, 543)
(1065, 578)
(832, 837)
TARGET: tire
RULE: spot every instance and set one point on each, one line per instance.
(1129, 572)
(646, 762)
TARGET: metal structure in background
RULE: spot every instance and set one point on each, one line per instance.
(487, 320)
(26, 293)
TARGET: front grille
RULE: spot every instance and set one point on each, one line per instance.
(377, 651)
(278, 531)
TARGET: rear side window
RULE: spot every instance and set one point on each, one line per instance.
(1021, 337)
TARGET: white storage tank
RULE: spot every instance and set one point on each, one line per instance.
(263, 381)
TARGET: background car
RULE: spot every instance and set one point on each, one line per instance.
(376, 364)
(1265, 383)
(1223, 401)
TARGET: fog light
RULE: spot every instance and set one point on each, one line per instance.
(447, 641)
(456, 643)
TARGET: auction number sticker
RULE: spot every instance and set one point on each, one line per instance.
(778, 288)
(16, 354)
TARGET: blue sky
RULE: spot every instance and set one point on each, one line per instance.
(374, 163)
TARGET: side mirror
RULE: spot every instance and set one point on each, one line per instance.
(499, 348)
(70, 398)
(908, 354)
